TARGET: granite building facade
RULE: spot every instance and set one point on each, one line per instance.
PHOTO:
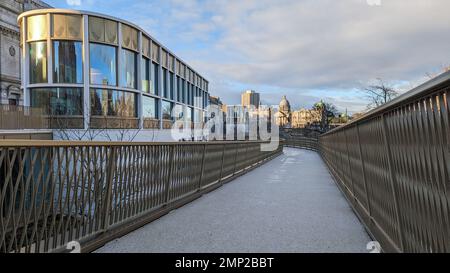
(10, 62)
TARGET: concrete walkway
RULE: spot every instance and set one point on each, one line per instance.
(290, 204)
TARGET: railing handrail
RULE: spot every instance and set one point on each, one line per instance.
(68, 143)
(424, 89)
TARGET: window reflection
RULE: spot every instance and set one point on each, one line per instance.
(38, 62)
(164, 83)
(149, 107)
(179, 95)
(128, 69)
(68, 62)
(103, 64)
(155, 82)
(183, 91)
(58, 101)
(37, 27)
(171, 86)
(145, 74)
(105, 102)
(166, 109)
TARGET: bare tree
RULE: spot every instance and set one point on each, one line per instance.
(379, 94)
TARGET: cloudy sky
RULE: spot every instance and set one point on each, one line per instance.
(305, 49)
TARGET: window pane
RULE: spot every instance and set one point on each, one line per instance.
(198, 115)
(189, 114)
(58, 101)
(38, 62)
(68, 62)
(102, 30)
(113, 103)
(129, 37)
(128, 69)
(164, 83)
(37, 27)
(67, 26)
(145, 46)
(111, 32)
(97, 101)
(172, 89)
(164, 58)
(178, 89)
(103, 64)
(166, 108)
(178, 112)
(145, 74)
(96, 29)
(155, 82)
(149, 107)
(129, 108)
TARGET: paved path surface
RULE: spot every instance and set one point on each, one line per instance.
(290, 204)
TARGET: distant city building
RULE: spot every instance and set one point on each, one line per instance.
(10, 54)
(283, 116)
(250, 97)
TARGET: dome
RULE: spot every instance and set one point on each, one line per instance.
(284, 106)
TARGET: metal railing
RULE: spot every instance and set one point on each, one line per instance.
(393, 166)
(14, 117)
(308, 143)
(54, 192)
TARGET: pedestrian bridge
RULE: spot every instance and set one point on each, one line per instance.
(290, 204)
(390, 167)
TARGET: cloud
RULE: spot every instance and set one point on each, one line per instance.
(73, 2)
(306, 49)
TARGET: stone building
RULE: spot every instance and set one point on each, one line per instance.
(305, 118)
(10, 92)
(283, 116)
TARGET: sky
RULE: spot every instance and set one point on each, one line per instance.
(307, 50)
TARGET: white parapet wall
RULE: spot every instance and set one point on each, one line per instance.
(142, 135)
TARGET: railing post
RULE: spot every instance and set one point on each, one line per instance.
(202, 168)
(109, 181)
(221, 166)
(169, 175)
(369, 209)
(393, 180)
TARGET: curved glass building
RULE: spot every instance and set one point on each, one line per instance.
(88, 70)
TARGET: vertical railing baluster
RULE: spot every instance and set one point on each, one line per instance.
(221, 166)
(363, 168)
(169, 174)
(392, 180)
(202, 168)
(110, 171)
